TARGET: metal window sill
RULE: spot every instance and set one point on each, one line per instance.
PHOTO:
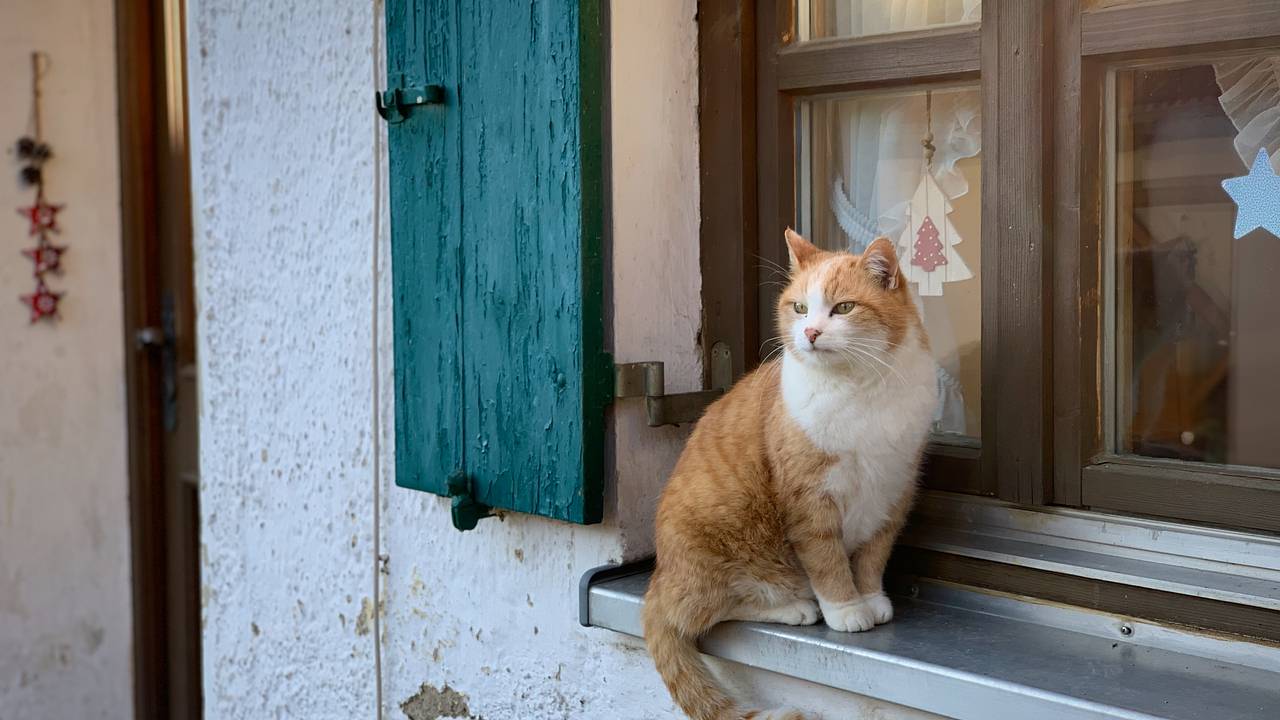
(1222, 565)
(981, 656)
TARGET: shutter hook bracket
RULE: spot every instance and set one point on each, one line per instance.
(647, 380)
(466, 510)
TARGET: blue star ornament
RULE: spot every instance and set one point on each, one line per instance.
(1257, 198)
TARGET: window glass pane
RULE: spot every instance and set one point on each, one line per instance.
(857, 18)
(862, 171)
(1195, 312)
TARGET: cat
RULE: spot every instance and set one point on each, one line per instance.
(786, 501)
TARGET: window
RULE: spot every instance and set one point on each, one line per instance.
(1106, 341)
(1191, 330)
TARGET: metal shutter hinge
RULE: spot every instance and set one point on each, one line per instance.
(394, 105)
(647, 380)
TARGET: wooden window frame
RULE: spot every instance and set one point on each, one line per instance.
(777, 74)
(1086, 472)
(1041, 66)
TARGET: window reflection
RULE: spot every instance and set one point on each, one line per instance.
(1196, 336)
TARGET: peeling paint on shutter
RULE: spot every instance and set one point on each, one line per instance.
(496, 222)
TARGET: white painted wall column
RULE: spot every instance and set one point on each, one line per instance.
(66, 628)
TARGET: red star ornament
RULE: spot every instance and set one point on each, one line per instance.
(43, 303)
(42, 216)
(48, 258)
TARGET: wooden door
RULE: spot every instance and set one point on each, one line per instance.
(160, 331)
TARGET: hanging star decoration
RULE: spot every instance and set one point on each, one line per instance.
(42, 216)
(43, 302)
(48, 259)
(1257, 198)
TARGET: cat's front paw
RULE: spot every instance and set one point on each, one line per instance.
(800, 611)
(856, 616)
(881, 608)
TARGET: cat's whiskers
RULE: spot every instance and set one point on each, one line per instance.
(781, 339)
(780, 348)
(771, 265)
(850, 359)
(865, 353)
(887, 343)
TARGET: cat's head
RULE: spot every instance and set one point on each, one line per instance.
(844, 311)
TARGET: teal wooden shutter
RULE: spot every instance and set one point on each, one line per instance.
(496, 216)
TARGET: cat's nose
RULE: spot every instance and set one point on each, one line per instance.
(812, 334)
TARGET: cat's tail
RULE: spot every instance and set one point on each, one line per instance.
(675, 653)
(687, 677)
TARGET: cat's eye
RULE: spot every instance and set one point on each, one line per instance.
(843, 308)
(800, 308)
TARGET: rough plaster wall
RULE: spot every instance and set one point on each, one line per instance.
(281, 132)
(477, 624)
(65, 615)
(657, 284)
(492, 614)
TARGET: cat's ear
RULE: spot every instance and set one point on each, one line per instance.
(802, 251)
(880, 261)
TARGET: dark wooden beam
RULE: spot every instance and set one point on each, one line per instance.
(1176, 23)
(138, 133)
(775, 154)
(727, 174)
(825, 65)
(1017, 140)
(1074, 296)
(1194, 491)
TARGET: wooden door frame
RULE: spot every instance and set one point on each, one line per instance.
(140, 73)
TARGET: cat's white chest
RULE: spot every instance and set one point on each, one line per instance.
(876, 433)
(866, 489)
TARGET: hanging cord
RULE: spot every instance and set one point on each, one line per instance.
(39, 64)
(37, 130)
(375, 366)
(927, 142)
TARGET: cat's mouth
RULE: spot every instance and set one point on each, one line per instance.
(807, 349)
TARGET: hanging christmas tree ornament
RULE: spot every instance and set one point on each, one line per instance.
(929, 238)
(43, 302)
(42, 216)
(930, 245)
(1257, 198)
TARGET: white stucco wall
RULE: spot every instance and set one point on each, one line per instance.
(65, 613)
(477, 624)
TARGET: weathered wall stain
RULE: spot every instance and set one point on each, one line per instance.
(364, 621)
(431, 703)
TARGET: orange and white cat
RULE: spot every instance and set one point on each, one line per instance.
(787, 499)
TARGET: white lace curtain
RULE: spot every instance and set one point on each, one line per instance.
(878, 157)
(1251, 99)
(844, 18)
